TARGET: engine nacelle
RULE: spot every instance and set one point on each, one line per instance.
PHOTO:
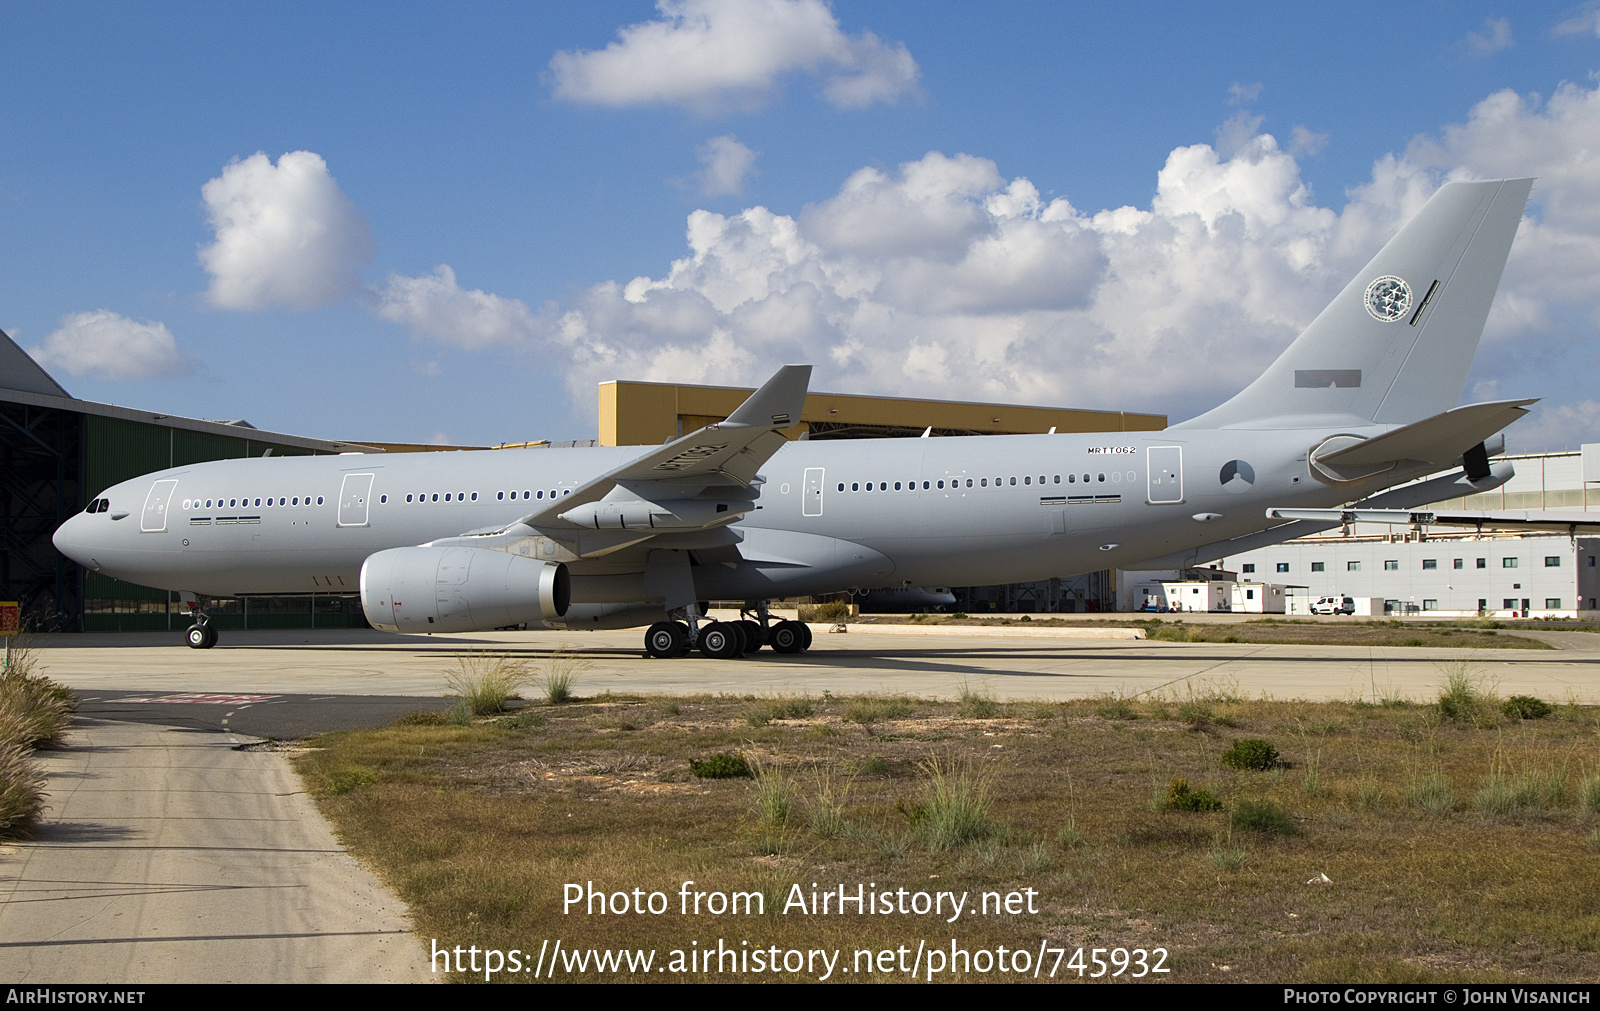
(460, 590)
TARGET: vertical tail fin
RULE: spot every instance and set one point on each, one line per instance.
(1395, 345)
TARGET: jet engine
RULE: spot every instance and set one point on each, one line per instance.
(429, 589)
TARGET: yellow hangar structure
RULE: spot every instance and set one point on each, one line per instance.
(648, 414)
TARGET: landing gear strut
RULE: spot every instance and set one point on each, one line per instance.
(724, 640)
(200, 635)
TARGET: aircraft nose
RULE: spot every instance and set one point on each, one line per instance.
(73, 538)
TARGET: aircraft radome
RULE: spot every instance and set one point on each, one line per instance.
(612, 537)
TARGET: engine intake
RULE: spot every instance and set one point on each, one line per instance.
(460, 590)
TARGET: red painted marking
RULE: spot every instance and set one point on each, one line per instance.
(204, 699)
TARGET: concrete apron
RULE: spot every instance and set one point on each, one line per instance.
(166, 856)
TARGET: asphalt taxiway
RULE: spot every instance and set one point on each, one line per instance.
(930, 664)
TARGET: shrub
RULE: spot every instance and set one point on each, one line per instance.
(1252, 754)
(34, 710)
(1181, 797)
(1526, 707)
(1264, 817)
(21, 789)
(721, 766)
(828, 610)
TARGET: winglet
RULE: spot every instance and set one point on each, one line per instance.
(777, 404)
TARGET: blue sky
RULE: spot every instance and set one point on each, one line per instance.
(485, 210)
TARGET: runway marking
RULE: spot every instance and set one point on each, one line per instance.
(203, 699)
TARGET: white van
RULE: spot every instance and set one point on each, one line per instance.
(1334, 605)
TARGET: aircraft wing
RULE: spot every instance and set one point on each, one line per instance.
(1544, 519)
(666, 489)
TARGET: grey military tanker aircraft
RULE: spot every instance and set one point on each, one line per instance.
(1364, 400)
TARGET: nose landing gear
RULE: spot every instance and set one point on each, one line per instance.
(200, 635)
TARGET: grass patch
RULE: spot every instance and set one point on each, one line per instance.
(479, 828)
(1430, 794)
(1115, 707)
(980, 704)
(560, 673)
(870, 709)
(484, 682)
(764, 712)
(1467, 697)
(829, 799)
(1262, 817)
(954, 807)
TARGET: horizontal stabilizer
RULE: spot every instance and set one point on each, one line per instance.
(1440, 439)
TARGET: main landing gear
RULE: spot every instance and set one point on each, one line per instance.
(724, 640)
(200, 635)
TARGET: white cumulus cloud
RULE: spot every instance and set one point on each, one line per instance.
(286, 235)
(711, 54)
(109, 346)
(1495, 36)
(943, 277)
(434, 305)
(1585, 22)
(726, 163)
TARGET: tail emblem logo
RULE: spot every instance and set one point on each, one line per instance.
(1388, 298)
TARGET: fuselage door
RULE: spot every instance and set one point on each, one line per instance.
(1166, 474)
(353, 496)
(811, 505)
(154, 518)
